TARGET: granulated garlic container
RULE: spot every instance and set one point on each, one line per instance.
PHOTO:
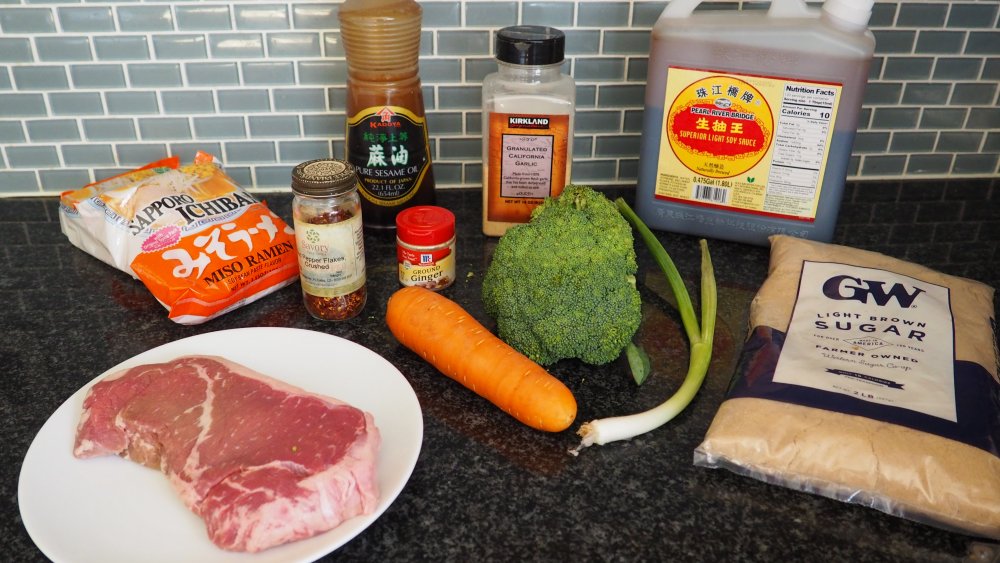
(528, 113)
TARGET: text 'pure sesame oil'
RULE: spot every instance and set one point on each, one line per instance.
(750, 118)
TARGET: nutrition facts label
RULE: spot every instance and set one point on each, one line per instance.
(800, 140)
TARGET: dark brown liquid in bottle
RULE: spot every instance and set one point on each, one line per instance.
(387, 138)
(375, 147)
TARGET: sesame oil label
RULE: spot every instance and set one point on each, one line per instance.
(745, 143)
(388, 147)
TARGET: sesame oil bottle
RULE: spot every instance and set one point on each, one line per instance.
(387, 140)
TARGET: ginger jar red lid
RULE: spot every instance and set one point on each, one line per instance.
(425, 247)
(425, 225)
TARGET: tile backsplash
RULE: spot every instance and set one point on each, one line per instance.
(89, 88)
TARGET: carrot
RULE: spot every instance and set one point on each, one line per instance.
(448, 337)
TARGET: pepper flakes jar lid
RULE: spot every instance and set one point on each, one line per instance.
(425, 225)
(530, 45)
(324, 177)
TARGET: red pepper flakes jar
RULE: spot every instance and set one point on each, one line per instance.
(328, 236)
(425, 246)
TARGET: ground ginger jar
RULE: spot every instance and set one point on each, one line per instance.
(425, 247)
(329, 238)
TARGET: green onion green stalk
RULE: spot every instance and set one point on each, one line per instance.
(700, 338)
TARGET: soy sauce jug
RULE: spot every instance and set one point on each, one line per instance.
(750, 118)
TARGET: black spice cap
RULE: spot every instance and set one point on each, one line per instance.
(530, 45)
(323, 177)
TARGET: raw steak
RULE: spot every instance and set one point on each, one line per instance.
(261, 461)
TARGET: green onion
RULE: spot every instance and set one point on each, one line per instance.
(700, 337)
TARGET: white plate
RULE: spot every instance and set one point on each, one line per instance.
(108, 509)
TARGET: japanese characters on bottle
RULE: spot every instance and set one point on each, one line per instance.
(387, 138)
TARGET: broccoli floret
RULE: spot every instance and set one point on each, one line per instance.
(563, 284)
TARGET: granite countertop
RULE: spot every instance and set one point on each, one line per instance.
(486, 487)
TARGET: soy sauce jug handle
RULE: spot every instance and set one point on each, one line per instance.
(779, 9)
(679, 8)
(789, 9)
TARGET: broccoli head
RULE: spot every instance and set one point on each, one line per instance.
(563, 284)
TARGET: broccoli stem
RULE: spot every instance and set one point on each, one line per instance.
(638, 362)
(616, 428)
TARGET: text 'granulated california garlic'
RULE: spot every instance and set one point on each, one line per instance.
(870, 380)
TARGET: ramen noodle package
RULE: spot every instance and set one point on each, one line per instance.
(870, 380)
(199, 242)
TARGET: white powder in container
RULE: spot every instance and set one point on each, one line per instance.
(528, 111)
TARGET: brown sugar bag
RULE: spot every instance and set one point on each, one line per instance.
(869, 380)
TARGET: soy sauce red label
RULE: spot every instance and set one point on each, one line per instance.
(388, 147)
(720, 126)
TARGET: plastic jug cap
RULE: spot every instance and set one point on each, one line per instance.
(854, 12)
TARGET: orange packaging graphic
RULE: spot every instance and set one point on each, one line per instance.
(527, 163)
(199, 242)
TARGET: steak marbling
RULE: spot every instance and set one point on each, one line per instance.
(261, 461)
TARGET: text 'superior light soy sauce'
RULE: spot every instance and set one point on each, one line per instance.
(387, 140)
